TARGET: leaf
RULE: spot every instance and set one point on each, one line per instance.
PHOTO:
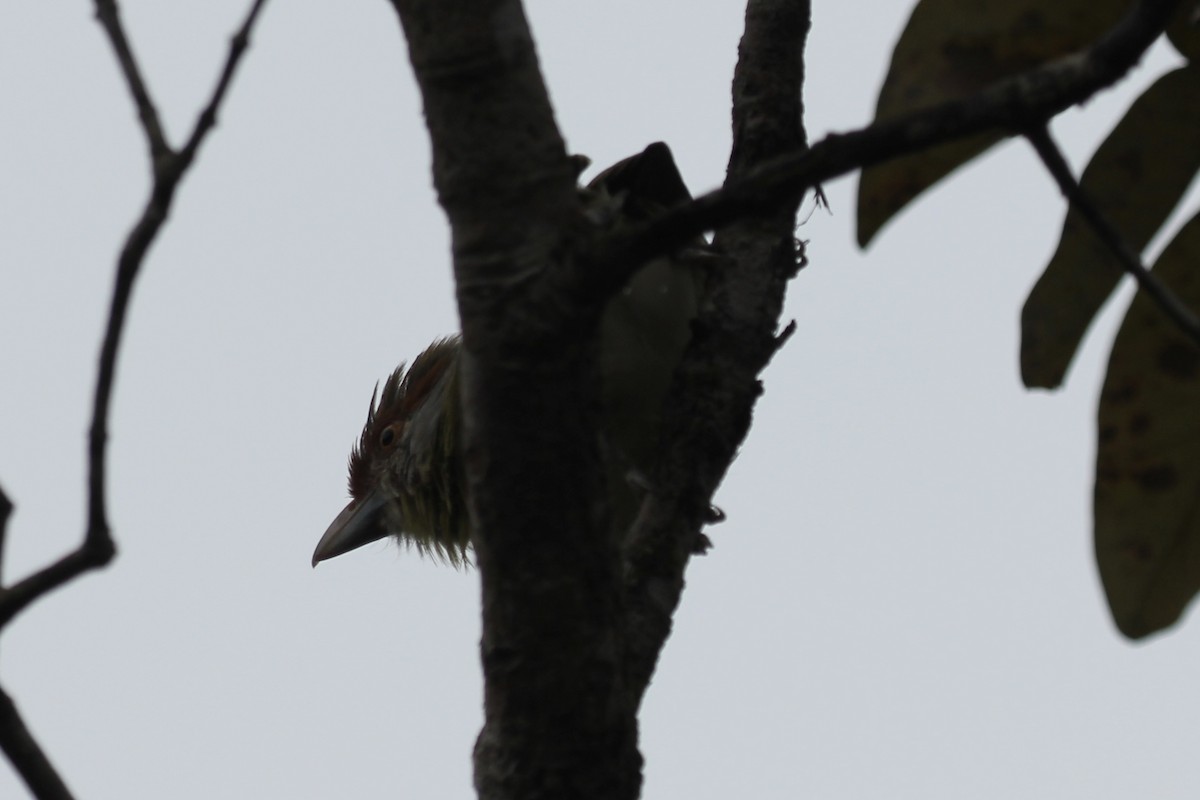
(1136, 179)
(1147, 494)
(951, 49)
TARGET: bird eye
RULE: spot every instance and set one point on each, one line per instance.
(388, 436)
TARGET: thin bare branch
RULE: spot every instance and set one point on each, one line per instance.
(16, 598)
(6, 508)
(1130, 261)
(208, 117)
(98, 548)
(109, 17)
(26, 756)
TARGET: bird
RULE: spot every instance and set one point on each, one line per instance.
(406, 473)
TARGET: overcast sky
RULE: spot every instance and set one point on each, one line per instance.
(902, 603)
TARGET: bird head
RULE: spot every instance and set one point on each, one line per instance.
(405, 474)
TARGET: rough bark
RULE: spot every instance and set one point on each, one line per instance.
(734, 338)
(557, 717)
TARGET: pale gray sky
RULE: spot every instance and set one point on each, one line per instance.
(902, 602)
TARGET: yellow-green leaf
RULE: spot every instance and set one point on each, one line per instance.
(951, 49)
(1147, 496)
(1136, 179)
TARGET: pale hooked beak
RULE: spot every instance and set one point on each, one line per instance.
(361, 522)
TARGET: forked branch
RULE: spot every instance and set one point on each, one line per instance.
(98, 549)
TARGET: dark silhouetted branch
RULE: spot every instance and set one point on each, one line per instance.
(28, 759)
(707, 413)
(1015, 105)
(1130, 261)
(109, 17)
(98, 548)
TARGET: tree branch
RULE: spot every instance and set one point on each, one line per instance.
(26, 756)
(1130, 261)
(98, 548)
(6, 509)
(1015, 105)
(708, 410)
(109, 17)
(557, 719)
(207, 119)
